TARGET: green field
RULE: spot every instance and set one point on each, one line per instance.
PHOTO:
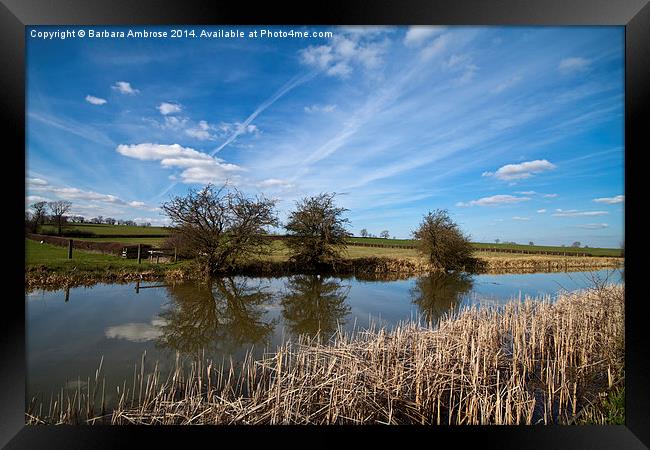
(56, 258)
(101, 229)
(482, 245)
(153, 241)
(105, 231)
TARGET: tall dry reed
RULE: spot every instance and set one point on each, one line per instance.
(526, 362)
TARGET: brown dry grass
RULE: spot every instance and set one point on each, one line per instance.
(527, 362)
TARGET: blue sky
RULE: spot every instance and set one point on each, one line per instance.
(517, 131)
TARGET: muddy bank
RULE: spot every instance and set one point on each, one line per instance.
(371, 268)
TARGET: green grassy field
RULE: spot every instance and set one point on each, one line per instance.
(108, 229)
(146, 232)
(56, 258)
(154, 241)
(482, 245)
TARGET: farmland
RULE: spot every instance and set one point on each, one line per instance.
(155, 236)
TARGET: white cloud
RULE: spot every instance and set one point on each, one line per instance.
(105, 204)
(438, 45)
(175, 123)
(417, 34)
(344, 51)
(68, 193)
(273, 183)
(593, 226)
(35, 198)
(520, 218)
(494, 200)
(541, 211)
(124, 87)
(95, 100)
(36, 181)
(550, 195)
(526, 192)
(521, 171)
(197, 167)
(168, 108)
(576, 213)
(610, 200)
(201, 131)
(573, 64)
(319, 108)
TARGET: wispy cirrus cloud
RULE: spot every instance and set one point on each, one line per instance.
(573, 64)
(593, 226)
(610, 200)
(577, 213)
(506, 84)
(495, 200)
(418, 34)
(319, 108)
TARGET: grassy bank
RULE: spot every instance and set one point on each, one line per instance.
(47, 266)
(534, 362)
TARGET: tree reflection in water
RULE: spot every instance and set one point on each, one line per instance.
(314, 305)
(224, 316)
(436, 294)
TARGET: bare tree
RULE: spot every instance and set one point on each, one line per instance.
(38, 216)
(364, 232)
(444, 244)
(221, 226)
(58, 210)
(384, 234)
(317, 231)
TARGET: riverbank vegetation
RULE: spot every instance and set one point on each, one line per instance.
(531, 362)
(47, 266)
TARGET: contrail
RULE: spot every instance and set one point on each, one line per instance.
(291, 84)
(294, 82)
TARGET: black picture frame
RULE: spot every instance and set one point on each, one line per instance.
(15, 15)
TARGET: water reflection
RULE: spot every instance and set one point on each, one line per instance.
(436, 294)
(314, 304)
(224, 316)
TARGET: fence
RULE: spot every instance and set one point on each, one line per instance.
(111, 248)
(130, 251)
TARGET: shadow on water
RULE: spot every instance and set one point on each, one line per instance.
(224, 316)
(437, 294)
(314, 305)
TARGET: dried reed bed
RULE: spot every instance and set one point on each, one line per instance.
(506, 263)
(527, 362)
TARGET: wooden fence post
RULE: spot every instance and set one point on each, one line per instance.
(70, 249)
(139, 253)
(174, 254)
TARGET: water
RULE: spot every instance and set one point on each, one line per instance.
(69, 331)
